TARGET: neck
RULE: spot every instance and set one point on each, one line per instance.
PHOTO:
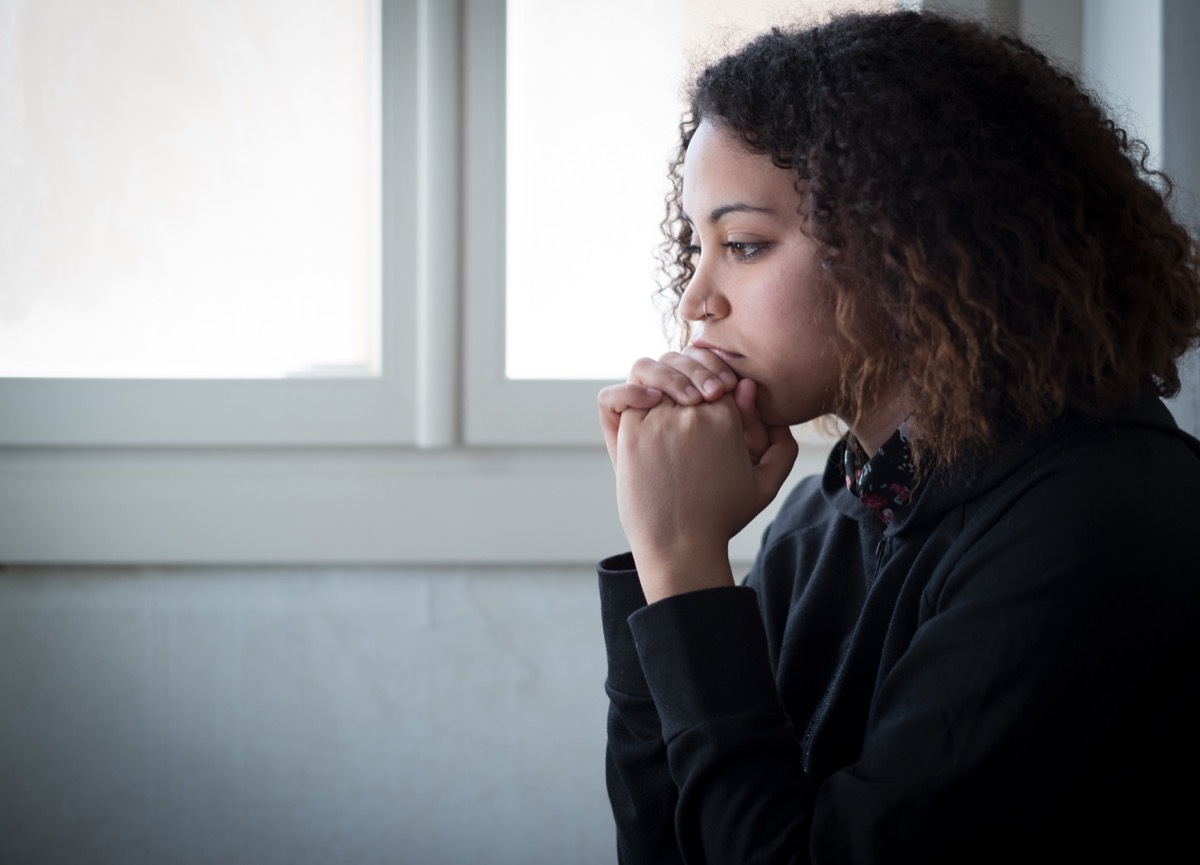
(877, 425)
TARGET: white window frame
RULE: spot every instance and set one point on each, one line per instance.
(212, 412)
(442, 460)
(99, 471)
(499, 411)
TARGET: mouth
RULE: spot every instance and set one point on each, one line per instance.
(728, 356)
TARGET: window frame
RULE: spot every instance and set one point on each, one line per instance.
(440, 461)
(331, 471)
(285, 412)
(499, 411)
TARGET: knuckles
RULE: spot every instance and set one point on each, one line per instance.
(648, 369)
(605, 397)
(683, 422)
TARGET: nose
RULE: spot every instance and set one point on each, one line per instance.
(692, 308)
(701, 301)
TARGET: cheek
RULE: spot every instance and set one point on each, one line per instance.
(802, 385)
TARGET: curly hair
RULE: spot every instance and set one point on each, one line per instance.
(994, 242)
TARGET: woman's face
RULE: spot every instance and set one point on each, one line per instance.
(769, 316)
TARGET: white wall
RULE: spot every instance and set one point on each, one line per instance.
(318, 715)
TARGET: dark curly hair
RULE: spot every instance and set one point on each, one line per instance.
(992, 239)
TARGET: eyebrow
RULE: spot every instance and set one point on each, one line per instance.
(726, 209)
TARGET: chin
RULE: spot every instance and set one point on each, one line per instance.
(773, 414)
(774, 417)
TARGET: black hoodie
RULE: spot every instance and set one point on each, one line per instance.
(1002, 674)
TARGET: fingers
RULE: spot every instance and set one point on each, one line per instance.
(744, 396)
(688, 377)
(777, 460)
(686, 482)
(617, 398)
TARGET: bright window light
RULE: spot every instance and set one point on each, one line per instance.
(593, 106)
(188, 188)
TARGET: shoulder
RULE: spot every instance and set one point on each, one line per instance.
(1100, 512)
(1097, 465)
(1129, 476)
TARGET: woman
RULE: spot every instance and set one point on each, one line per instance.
(973, 637)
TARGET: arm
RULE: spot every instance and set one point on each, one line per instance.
(731, 747)
(729, 783)
(640, 788)
(644, 797)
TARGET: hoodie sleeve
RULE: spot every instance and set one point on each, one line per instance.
(640, 788)
(664, 730)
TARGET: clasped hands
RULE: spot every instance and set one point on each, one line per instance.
(694, 462)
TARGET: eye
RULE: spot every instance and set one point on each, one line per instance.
(744, 251)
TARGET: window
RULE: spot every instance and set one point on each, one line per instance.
(348, 469)
(190, 214)
(190, 199)
(591, 120)
(577, 243)
(435, 455)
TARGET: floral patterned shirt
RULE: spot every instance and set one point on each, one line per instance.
(886, 481)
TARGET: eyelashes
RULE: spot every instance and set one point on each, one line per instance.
(741, 250)
(744, 251)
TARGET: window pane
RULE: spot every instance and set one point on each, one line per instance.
(188, 188)
(593, 108)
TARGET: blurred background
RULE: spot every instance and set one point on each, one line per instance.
(303, 309)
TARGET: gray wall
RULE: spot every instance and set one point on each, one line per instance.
(1181, 152)
(380, 715)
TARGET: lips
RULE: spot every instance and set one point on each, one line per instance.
(724, 354)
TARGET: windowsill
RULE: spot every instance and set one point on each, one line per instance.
(318, 505)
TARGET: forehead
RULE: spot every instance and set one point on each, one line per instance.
(718, 171)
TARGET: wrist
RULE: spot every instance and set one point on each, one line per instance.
(666, 576)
